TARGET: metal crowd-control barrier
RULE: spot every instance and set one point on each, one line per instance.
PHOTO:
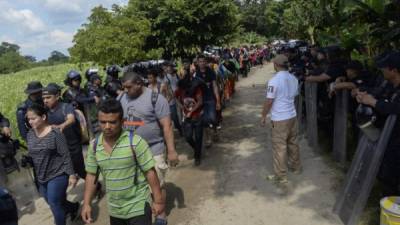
(360, 178)
(340, 126)
(311, 113)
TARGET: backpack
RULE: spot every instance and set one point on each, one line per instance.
(132, 146)
(80, 117)
(80, 121)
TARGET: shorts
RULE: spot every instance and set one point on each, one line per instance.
(161, 168)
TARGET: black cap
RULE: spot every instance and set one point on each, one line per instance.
(355, 65)
(51, 89)
(390, 59)
(33, 87)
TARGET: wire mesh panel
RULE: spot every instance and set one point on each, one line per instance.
(361, 176)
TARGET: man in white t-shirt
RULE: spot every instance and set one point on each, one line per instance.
(281, 92)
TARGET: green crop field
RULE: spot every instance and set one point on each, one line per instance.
(12, 86)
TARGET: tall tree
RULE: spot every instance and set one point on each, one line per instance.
(30, 58)
(302, 19)
(57, 57)
(111, 36)
(8, 47)
(181, 27)
(10, 58)
(12, 61)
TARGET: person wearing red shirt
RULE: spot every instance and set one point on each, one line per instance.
(190, 95)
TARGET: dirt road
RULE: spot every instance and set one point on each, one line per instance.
(230, 186)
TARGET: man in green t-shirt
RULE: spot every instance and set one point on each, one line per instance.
(127, 166)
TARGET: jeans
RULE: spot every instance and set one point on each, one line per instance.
(138, 220)
(194, 127)
(209, 113)
(54, 192)
(175, 118)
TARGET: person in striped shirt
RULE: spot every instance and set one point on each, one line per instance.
(127, 167)
(53, 166)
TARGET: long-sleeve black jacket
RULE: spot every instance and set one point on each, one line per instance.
(386, 107)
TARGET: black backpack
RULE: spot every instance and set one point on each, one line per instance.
(8, 207)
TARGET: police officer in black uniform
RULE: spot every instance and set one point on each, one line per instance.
(34, 92)
(113, 85)
(95, 87)
(389, 172)
(4, 126)
(8, 209)
(6, 148)
(75, 94)
(88, 75)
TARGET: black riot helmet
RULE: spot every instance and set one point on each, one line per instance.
(112, 88)
(113, 71)
(90, 72)
(72, 75)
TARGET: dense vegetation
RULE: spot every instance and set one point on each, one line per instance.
(369, 26)
(154, 28)
(178, 28)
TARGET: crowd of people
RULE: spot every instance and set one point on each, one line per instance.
(131, 121)
(373, 97)
(129, 124)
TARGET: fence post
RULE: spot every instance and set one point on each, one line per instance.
(311, 113)
(299, 108)
(340, 126)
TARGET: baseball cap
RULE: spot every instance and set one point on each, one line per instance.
(390, 59)
(51, 89)
(281, 60)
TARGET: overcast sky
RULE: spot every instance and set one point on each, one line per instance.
(41, 26)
